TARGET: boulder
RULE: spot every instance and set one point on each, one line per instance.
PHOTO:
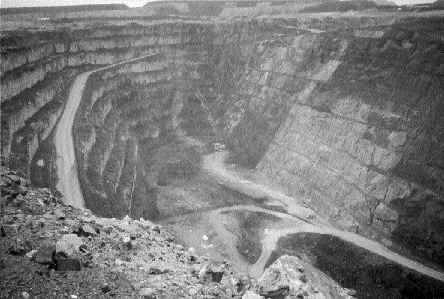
(147, 293)
(68, 264)
(59, 215)
(385, 213)
(69, 244)
(31, 254)
(385, 219)
(210, 273)
(105, 288)
(17, 249)
(275, 291)
(158, 271)
(8, 230)
(236, 283)
(87, 230)
(193, 291)
(251, 295)
(290, 276)
(126, 240)
(45, 255)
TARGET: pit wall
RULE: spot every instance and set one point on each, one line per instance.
(123, 108)
(133, 120)
(37, 69)
(347, 115)
(362, 140)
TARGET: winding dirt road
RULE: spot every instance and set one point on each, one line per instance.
(298, 214)
(68, 183)
(300, 219)
(215, 165)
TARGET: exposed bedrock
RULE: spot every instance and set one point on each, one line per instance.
(349, 119)
(38, 69)
(362, 142)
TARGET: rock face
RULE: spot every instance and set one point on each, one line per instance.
(290, 276)
(351, 145)
(347, 114)
(369, 275)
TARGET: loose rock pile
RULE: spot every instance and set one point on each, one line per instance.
(50, 250)
(290, 277)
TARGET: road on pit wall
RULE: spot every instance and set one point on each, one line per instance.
(68, 183)
(69, 186)
(214, 164)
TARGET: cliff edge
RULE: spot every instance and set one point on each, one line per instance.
(51, 250)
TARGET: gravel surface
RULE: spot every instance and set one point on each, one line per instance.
(99, 257)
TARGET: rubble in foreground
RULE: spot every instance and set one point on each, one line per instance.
(50, 250)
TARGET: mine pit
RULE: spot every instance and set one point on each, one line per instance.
(271, 138)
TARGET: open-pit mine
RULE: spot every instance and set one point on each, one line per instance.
(248, 131)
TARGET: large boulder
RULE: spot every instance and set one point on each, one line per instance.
(385, 218)
(69, 244)
(45, 255)
(211, 273)
(290, 276)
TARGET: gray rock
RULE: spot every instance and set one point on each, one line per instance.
(147, 293)
(275, 291)
(210, 273)
(87, 219)
(158, 271)
(45, 255)
(351, 292)
(87, 230)
(17, 249)
(192, 291)
(15, 178)
(27, 245)
(217, 273)
(119, 262)
(157, 228)
(31, 254)
(126, 240)
(8, 230)
(251, 295)
(59, 215)
(385, 213)
(290, 276)
(68, 264)
(105, 288)
(70, 222)
(69, 244)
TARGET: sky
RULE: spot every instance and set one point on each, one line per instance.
(130, 3)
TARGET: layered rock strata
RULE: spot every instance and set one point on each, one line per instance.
(362, 140)
(344, 113)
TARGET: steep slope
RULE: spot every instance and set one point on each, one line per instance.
(362, 141)
(50, 250)
(342, 113)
